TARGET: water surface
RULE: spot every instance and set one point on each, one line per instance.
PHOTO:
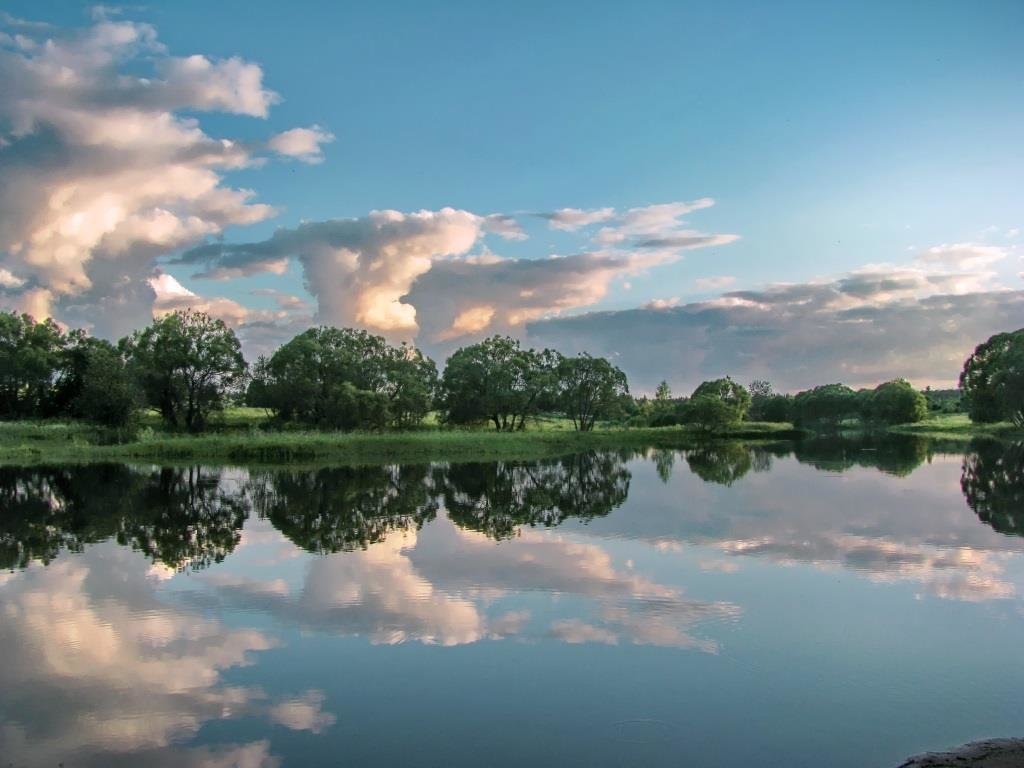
(842, 603)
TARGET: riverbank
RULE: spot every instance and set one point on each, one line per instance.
(957, 426)
(58, 442)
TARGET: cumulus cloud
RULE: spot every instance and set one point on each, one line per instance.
(101, 173)
(304, 144)
(861, 328)
(962, 256)
(358, 269)
(459, 299)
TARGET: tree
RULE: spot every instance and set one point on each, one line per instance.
(709, 413)
(589, 388)
(992, 380)
(895, 402)
(768, 405)
(498, 381)
(729, 392)
(108, 393)
(826, 404)
(663, 393)
(30, 359)
(187, 363)
(344, 378)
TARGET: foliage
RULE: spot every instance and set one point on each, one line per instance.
(498, 381)
(589, 388)
(992, 380)
(895, 402)
(31, 354)
(341, 378)
(768, 405)
(108, 394)
(709, 413)
(729, 392)
(828, 404)
(187, 364)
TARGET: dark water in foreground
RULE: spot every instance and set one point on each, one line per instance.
(840, 604)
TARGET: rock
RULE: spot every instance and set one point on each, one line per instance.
(991, 753)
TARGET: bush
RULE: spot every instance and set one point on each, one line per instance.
(709, 413)
(895, 402)
(828, 404)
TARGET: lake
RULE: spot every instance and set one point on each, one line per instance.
(829, 602)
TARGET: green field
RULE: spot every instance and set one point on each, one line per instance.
(239, 439)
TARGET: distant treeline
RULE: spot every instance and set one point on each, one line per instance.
(188, 366)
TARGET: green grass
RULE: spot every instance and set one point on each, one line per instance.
(239, 440)
(957, 426)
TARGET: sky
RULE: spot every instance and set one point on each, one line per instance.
(802, 192)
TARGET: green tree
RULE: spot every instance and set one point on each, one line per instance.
(827, 404)
(344, 378)
(498, 381)
(31, 355)
(709, 413)
(895, 402)
(992, 380)
(108, 393)
(589, 388)
(768, 405)
(729, 392)
(188, 364)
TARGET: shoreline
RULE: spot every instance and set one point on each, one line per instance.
(241, 440)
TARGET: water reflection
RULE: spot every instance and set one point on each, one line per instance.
(498, 498)
(344, 508)
(993, 484)
(149, 613)
(179, 517)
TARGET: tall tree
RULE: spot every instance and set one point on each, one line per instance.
(188, 364)
(992, 380)
(589, 388)
(498, 381)
(31, 355)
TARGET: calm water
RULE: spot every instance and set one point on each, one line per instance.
(841, 604)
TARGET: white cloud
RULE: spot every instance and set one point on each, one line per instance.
(101, 173)
(962, 256)
(304, 144)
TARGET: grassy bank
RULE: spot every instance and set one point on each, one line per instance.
(238, 441)
(956, 426)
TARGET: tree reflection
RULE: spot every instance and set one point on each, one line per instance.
(497, 497)
(180, 517)
(345, 508)
(993, 484)
(893, 454)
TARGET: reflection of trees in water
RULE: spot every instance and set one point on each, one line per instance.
(718, 462)
(345, 508)
(893, 454)
(178, 517)
(495, 498)
(993, 484)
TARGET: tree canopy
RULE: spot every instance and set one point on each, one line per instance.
(992, 380)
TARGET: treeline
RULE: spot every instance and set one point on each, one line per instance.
(188, 366)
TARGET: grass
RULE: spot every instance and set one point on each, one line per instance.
(957, 426)
(239, 440)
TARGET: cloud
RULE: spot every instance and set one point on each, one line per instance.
(652, 222)
(102, 171)
(461, 299)
(714, 283)
(572, 219)
(302, 143)
(359, 270)
(962, 256)
(861, 328)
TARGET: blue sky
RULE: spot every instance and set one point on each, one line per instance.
(830, 136)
